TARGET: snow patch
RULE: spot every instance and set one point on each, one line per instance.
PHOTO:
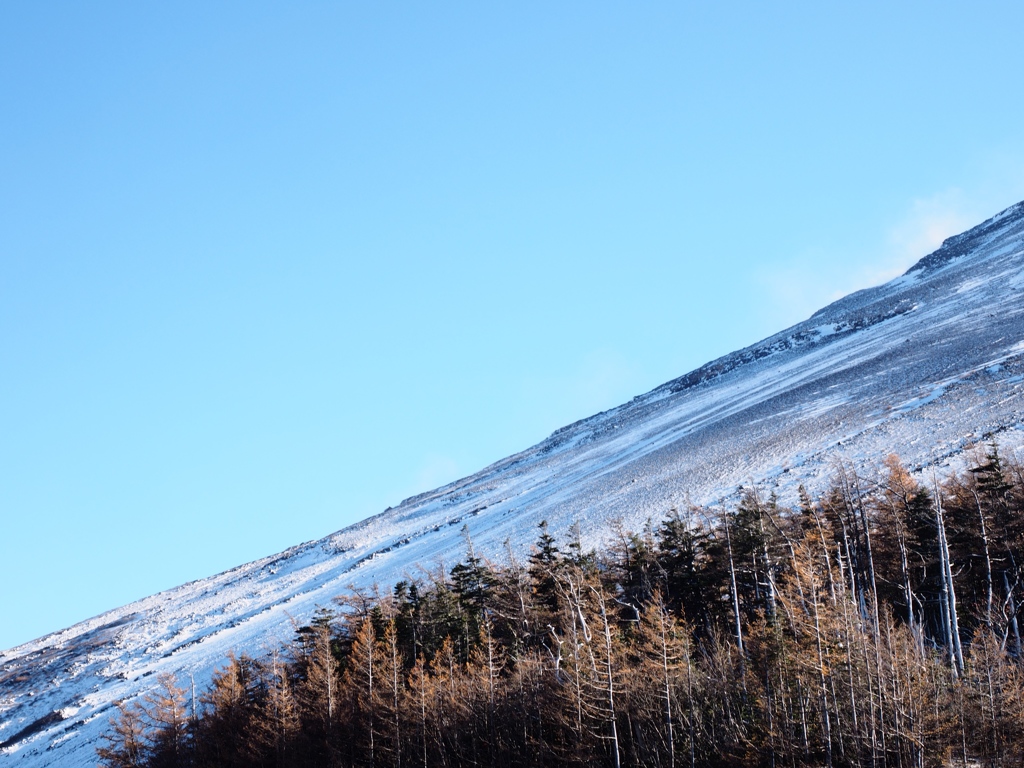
(923, 366)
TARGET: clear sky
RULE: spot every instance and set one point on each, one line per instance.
(266, 269)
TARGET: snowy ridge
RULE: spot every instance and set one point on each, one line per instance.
(923, 365)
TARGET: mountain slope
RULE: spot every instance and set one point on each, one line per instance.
(922, 365)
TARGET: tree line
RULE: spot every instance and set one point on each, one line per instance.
(874, 625)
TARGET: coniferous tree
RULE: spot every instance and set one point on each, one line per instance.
(167, 709)
(681, 543)
(544, 562)
(127, 738)
(863, 628)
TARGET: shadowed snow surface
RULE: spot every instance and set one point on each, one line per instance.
(922, 366)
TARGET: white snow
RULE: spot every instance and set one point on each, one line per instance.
(924, 366)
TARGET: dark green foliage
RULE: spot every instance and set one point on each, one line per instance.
(680, 547)
(634, 657)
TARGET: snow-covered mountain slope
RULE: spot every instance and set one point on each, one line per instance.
(923, 366)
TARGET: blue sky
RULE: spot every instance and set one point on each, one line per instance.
(266, 269)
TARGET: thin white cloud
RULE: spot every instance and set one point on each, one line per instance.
(818, 277)
(920, 231)
(434, 470)
(923, 228)
(598, 380)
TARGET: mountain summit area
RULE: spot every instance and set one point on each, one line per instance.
(925, 366)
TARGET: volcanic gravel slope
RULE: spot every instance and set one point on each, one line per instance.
(922, 366)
